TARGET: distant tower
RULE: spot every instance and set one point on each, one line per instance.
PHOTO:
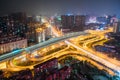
(43, 35)
(64, 21)
(67, 21)
(116, 27)
(80, 22)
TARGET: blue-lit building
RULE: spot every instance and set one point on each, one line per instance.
(109, 19)
(102, 20)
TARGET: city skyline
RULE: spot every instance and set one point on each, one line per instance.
(59, 40)
(52, 7)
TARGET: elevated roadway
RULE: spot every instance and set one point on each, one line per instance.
(30, 49)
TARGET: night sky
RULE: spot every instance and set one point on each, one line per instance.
(52, 7)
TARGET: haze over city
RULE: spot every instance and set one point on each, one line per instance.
(52, 7)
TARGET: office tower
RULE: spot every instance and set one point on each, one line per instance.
(64, 21)
(57, 21)
(109, 19)
(13, 30)
(116, 27)
(67, 21)
(70, 21)
(18, 17)
(13, 24)
(80, 22)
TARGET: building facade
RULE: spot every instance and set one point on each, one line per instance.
(49, 71)
(12, 44)
(116, 28)
(80, 22)
(13, 30)
(64, 21)
(73, 22)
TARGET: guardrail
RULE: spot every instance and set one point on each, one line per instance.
(16, 53)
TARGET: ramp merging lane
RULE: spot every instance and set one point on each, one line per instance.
(33, 48)
(96, 58)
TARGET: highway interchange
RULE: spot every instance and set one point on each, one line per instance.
(86, 49)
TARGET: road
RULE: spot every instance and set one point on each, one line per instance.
(30, 49)
(93, 56)
(96, 58)
(75, 54)
(109, 62)
(84, 49)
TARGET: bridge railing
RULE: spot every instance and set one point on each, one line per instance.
(40, 45)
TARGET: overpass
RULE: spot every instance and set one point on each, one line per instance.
(106, 63)
(33, 48)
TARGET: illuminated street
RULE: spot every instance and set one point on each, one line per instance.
(60, 40)
(84, 50)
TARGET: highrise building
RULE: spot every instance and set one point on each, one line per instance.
(10, 43)
(67, 21)
(31, 33)
(73, 22)
(113, 20)
(64, 21)
(57, 21)
(13, 30)
(43, 32)
(17, 23)
(4, 26)
(13, 25)
(109, 19)
(70, 21)
(48, 32)
(116, 27)
(80, 22)
(34, 34)
(18, 17)
(40, 36)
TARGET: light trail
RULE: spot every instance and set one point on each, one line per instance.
(94, 57)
